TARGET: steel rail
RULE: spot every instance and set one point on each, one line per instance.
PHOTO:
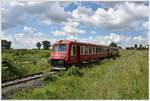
(21, 79)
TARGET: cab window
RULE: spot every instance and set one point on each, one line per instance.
(62, 48)
(59, 48)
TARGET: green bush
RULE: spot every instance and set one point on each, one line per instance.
(10, 70)
(74, 71)
(49, 77)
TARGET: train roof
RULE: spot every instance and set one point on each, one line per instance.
(82, 43)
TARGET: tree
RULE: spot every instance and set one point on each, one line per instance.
(38, 45)
(6, 44)
(135, 46)
(113, 44)
(119, 47)
(140, 46)
(46, 44)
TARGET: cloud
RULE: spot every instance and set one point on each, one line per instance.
(125, 16)
(29, 29)
(11, 19)
(145, 25)
(59, 33)
(93, 32)
(82, 21)
(45, 12)
(26, 39)
(70, 28)
(82, 11)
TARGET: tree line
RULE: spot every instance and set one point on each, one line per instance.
(140, 47)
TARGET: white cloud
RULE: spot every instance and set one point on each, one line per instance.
(19, 35)
(59, 33)
(122, 16)
(145, 25)
(29, 29)
(125, 16)
(26, 39)
(45, 12)
(93, 32)
(11, 18)
(82, 11)
(70, 28)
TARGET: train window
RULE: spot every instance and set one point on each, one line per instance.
(55, 47)
(62, 48)
(99, 49)
(81, 50)
(86, 50)
(102, 49)
(59, 48)
(73, 50)
(90, 50)
(96, 49)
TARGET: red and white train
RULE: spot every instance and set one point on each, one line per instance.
(65, 53)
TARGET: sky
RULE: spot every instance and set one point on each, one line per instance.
(25, 23)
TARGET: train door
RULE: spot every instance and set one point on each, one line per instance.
(73, 55)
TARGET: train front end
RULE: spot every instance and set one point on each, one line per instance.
(59, 56)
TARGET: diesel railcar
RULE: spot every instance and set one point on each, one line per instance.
(66, 52)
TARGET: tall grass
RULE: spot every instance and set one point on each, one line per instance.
(123, 78)
(26, 61)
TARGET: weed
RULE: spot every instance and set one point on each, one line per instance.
(74, 71)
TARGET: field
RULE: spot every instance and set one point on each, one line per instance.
(123, 78)
(20, 62)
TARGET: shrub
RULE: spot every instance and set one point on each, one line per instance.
(74, 71)
(49, 76)
(10, 70)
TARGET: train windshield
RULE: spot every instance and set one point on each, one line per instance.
(59, 48)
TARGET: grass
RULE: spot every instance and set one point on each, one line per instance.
(23, 62)
(123, 78)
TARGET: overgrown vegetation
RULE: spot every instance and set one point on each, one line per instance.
(20, 62)
(11, 70)
(123, 78)
(74, 71)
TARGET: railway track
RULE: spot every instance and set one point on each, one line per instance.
(23, 79)
(12, 85)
